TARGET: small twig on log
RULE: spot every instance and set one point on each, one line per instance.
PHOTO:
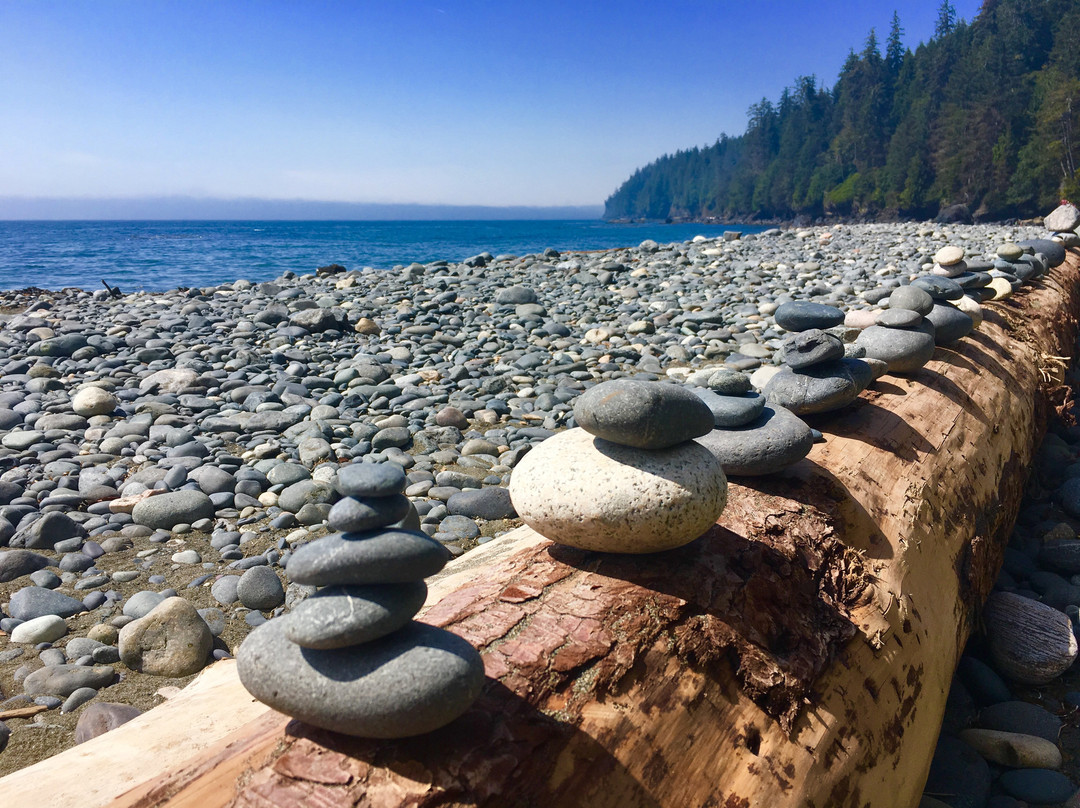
(23, 712)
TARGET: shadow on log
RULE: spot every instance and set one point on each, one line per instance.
(798, 654)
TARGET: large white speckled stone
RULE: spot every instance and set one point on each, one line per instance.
(584, 491)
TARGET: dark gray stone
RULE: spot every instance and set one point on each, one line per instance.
(1054, 252)
(645, 415)
(1039, 786)
(802, 315)
(950, 324)
(959, 771)
(982, 681)
(904, 349)
(63, 680)
(1062, 555)
(340, 616)
(16, 563)
(33, 601)
(731, 411)
(1022, 717)
(898, 318)
(939, 287)
(356, 514)
(820, 388)
(407, 683)
(259, 588)
(387, 556)
(306, 492)
(370, 479)
(173, 508)
(482, 503)
(771, 443)
(811, 347)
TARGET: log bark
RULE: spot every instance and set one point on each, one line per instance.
(797, 654)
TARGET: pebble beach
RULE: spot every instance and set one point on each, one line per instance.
(181, 446)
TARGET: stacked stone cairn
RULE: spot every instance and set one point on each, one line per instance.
(950, 323)
(901, 336)
(629, 478)
(350, 658)
(1062, 222)
(749, 437)
(816, 376)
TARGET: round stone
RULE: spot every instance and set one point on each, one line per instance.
(259, 588)
(643, 415)
(819, 388)
(939, 288)
(63, 680)
(772, 442)
(802, 315)
(1001, 288)
(92, 401)
(46, 628)
(1054, 252)
(586, 492)
(340, 616)
(731, 411)
(173, 508)
(1030, 642)
(371, 480)
(972, 309)
(1010, 252)
(410, 682)
(101, 717)
(904, 349)
(1037, 786)
(492, 502)
(811, 347)
(950, 324)
(898, 318)
(911, 297)
(949, 255)
(353, 514)
(385, 556)
(172, 640)
(1063, 219)
(1013, 749)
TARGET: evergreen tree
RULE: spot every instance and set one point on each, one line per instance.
(894, 47)
(946, 20)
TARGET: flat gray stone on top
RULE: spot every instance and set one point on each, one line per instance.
(370, 479)
(731, 410)
(802, 315)
(386, 556)
(353, 514)
(813, 346)
(645, 415)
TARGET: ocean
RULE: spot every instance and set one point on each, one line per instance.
(158, 255)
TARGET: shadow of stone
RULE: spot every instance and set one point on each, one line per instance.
(870, 423)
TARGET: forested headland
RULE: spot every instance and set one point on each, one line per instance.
(986, 115)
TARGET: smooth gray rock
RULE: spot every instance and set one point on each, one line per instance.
(803, 315)
(142, 603)
(489, 503)
(407, 683)
(259, 588)
(913, 298)
(819, 388)
(812, 347)
(77, 699)
(33, 601)
(645, 415)
(1054, 252)
(771, 443)
(950, 324)
(904, 349)
(173, 508)
(354, 514)
(1038, 786)
(340, 616)
(731, 411)
(386, 556)
(172, 640)
(959, 771)
(898, 318)
(370, 479)
(306, 492)
(938, 287)
(224, 589)
(63, 680)
(17, 563)
(1064, 218)
(1021, 717)
(101, 717)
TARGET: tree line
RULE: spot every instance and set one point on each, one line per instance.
(986, 115)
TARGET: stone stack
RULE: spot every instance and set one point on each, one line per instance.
(950, 323)
(1063, 222)
(949, 261)
(901, 336)
(630, 479)
(816, 377)
(750, 437)
(350, 658)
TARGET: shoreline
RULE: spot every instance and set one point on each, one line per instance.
(244, 391)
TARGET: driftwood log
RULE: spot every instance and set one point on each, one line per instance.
(797, 654)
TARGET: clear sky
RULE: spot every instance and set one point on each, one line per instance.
(478, 102)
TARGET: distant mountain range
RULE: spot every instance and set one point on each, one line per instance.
(188, 208)
(982, 120)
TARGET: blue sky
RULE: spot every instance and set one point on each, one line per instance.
(478, 102)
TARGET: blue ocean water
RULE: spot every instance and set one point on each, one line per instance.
(157, 255)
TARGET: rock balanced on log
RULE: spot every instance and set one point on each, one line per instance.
(350, 658)
(630, 479)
